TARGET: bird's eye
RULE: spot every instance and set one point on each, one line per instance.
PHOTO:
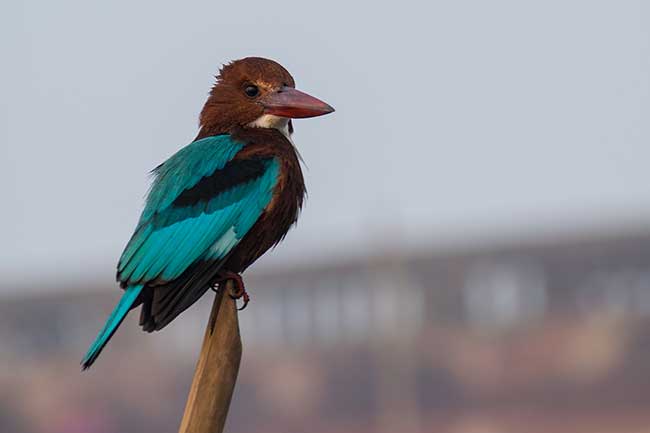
(251, 91)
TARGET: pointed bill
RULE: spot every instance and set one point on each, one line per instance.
(292, 103)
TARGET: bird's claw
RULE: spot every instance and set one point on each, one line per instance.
(244, 295)
(238, 291)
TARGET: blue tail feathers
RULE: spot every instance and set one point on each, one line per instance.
(114, 320)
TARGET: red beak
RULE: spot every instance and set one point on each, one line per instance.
(292, 103)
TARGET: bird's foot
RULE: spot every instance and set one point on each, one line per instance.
(238, 291)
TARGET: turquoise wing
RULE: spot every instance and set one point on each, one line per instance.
(201, 204)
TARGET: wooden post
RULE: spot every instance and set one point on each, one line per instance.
(216, 371)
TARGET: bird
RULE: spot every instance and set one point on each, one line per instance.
(219, 203)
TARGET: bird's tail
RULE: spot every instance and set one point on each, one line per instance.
(114, 320)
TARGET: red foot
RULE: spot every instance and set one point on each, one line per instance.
(239, 292)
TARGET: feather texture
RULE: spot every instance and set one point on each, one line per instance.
(201, 204)
(189, 217)
(114, 320)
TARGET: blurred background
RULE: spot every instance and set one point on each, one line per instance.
(474, 256)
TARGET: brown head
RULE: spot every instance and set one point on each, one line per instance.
(256, 92)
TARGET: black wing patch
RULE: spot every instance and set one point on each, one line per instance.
(234, 173)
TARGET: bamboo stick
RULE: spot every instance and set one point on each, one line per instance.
(216, 370)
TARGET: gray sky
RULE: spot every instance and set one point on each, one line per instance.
(455, 121)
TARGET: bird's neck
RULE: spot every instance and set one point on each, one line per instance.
(274, 122)
(265, 121)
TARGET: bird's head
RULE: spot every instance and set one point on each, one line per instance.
(256, 92)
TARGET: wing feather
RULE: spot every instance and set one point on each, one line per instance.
(200, 206)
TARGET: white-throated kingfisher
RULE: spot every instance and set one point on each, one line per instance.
(219, 203)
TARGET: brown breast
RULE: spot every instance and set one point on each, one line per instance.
(282, 211)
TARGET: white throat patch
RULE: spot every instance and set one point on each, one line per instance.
(272, 121)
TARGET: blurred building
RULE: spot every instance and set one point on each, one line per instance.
(528, 338)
